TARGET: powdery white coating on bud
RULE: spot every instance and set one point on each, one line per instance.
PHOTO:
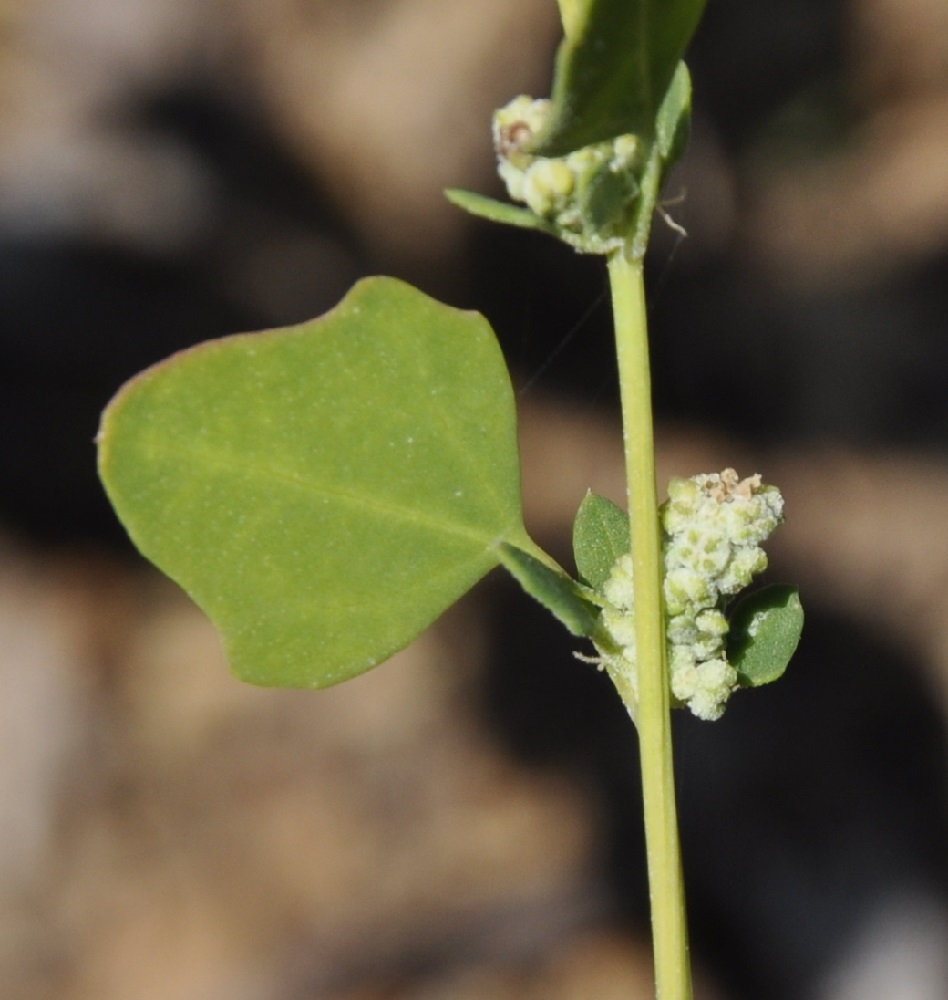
(625, 150)
(559, 189)
(756, 621)
(515, 124)
(617, 590)
(705, 687)
(547, 185)
(713, 526)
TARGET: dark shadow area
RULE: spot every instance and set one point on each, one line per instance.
(80, 316)
(805, 808)
(77, 321)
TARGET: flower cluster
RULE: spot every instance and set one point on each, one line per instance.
(587, 195)
(713, 527)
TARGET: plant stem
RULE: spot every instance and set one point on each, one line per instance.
(652, 713)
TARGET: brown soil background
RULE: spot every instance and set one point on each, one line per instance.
(168, 833)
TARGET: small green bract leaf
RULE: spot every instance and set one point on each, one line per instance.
(325, 491)
(572, 13)
(765, 630)
(600, 538)
(607, 197)
(613, 69)
(496, 211)
(673, 121)
(556, 591)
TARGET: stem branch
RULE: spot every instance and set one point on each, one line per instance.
(652, 713)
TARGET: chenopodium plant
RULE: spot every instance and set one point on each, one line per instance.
(712, 529)
(325, 491)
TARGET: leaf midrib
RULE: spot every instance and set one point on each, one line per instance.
(208, 459)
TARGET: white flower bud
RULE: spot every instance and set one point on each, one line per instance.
(716, 679)
(713, 526)
(547, 183)
(557, 189)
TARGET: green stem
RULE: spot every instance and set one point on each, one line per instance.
(652, 713)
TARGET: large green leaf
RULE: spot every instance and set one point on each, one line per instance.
(613, 69)
(323, 491)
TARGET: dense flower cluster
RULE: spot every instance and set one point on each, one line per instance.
(586, 195)
(713, 527)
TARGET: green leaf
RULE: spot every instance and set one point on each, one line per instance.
(497, 211)
(673, 122)
(765, 630)
(606, 197)
(600, 538)
(672, 126)
(556, 591)
(572, 14)
(324, 491)
(613, 69)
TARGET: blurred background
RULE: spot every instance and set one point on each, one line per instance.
(463, 823)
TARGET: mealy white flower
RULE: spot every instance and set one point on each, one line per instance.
(713, 526)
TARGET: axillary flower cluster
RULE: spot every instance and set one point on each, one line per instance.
(586, 197)
(713, 527)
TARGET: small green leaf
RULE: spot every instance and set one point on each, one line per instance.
(613, 69)
(765, 630)
(600, 538)
(325, 491)
(556, 591)
(673, 121)
(497, 211)
(572, 14)
(606, 197)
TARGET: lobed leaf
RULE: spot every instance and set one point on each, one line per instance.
(324, 491)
